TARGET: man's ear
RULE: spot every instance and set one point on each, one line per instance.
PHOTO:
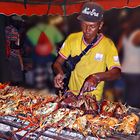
(101, 25)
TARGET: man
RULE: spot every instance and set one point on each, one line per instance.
(90, 73)
(41, 42)
(129, 46)
(13, 51)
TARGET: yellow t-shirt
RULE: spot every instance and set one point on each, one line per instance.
(101, 56)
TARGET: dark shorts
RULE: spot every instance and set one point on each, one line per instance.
(132, 89)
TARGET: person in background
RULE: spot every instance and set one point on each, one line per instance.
(61, 24)
(13, 51)
(130, 45)
(42, 39)
(90, 73)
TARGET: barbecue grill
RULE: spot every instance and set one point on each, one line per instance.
(9, 123)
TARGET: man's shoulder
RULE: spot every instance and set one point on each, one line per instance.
(31, 31)
(74, 36)
(107, 40)
(107, 43)
(35, 29)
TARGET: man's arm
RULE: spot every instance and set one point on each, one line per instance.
(20, 59)
(57, 67)
(120, 45)
(136, 38)
(93, 80)
(109, 75)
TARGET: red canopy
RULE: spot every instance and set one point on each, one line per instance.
(61, 7)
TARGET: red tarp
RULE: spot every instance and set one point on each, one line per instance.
(9, 8)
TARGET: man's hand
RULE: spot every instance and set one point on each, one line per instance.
(90, 84)
(58, 81)
(58, 70)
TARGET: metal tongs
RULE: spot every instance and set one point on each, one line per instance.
(82, 91)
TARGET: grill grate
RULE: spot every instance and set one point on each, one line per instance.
(9, 123)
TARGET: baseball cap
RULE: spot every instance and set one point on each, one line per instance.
(91, 12)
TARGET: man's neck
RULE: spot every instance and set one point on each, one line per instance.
(88, 41)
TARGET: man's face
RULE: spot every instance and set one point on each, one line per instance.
(90, 29)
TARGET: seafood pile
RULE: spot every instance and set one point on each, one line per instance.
(104, 119)
(82, 114)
